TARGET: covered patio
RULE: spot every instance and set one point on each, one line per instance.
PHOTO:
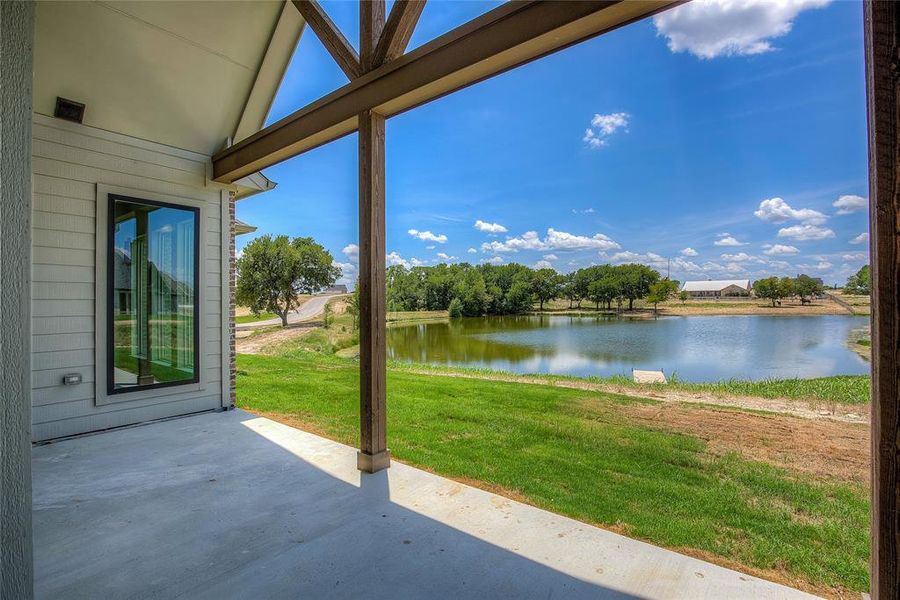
(171, 492)
(280, 513)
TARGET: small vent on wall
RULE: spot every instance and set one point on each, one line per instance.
(69, 110)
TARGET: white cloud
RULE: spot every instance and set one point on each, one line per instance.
(427, 236)
(740, 257)
(446, 257)
(805, 232)
(860, 239)
(431, 247)
(496, 260)
(780, 250)
(586, 211)
(348, 273)
(689, 252)
(820, 266)
(711, 28)
(728, 241)
(602, 127)
(554, 240)
(542, 264)
(472, 251)
(351, 251)
(850, 204)
(855, 256)
(776, 210)
(551, 257)
(486, 227)
(395, 259)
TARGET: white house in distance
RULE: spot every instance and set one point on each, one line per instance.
(717, 288)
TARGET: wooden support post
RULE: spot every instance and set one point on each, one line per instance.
(882, 27)
(373, 454)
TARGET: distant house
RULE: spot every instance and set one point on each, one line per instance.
(717, 289)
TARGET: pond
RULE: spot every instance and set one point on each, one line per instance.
(704, 348)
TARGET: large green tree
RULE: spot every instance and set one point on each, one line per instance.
(546, 285)
(661, 291)
(860, 283)
(272, 271)
(807, 288)
(774, 288)
(636, 281)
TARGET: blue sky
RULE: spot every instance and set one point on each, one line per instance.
(728, 141)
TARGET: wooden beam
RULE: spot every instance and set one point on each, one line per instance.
(331, 37)
(398, 30)
(501, 39)
(882, 27)
(373, 453)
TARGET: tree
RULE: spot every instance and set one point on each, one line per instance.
(806, 287)
(661, 291)
(519, 298)
(602, 290)
(353, 307)
(773, 288)
(570, 289)
(636, 281)
(327, 315)
(272, 271)
(683, 296)
(546, 285)
(859, 284)
(456, 308)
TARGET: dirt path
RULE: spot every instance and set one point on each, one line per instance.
(797, 408)
(258, 342)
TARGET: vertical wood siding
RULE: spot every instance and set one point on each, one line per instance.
(68, 161)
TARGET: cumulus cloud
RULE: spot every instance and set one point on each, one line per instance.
(542, 264)
(602, 127)
(351, 251)
(850, 204)
(820, 266)
(805, 232)
(855, 256)
(472, 251)
(427, 236)
(551, 257)
(495, 260)
(689, 252)
(554, 240)
(780, 250)
(776, 210)
(586, 211)
(486, 227)
(446, 257)
(711, 28)
(740, 257)
(860, 239)
(395, 259)
(728, 240)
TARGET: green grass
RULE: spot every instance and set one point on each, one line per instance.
(840, 389)
(574, 452)
(251, 318)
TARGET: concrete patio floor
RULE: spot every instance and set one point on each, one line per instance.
(230, 505)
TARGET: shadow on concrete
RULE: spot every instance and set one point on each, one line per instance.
(204, 507)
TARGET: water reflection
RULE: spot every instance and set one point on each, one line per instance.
(696, 348)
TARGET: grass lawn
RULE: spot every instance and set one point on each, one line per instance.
(578, 453)
(251, 318)
(840, 389)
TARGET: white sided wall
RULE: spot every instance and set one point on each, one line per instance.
(73, 166)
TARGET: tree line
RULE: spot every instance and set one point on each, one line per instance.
(477, 290)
